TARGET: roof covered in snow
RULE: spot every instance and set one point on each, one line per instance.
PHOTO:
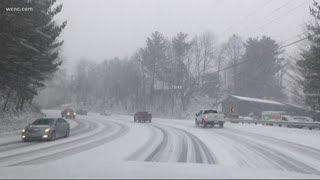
(266, 101)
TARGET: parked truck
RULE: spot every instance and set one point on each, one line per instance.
(209, 117)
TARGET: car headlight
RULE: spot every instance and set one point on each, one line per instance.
(68, 113)
(74, 113)
(23, 130)
(47, 130)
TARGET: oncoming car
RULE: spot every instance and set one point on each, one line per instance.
(46, 129)
(68, 113)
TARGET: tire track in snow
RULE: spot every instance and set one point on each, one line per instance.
(280, 159)
(184, 151)
(202, 153)
(121, 132)
(199, 147)
(82, 127)
(306, 150)
(160, 148)
(142, 149)
(20, 155)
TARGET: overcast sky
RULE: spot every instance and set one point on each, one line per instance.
(101, 29)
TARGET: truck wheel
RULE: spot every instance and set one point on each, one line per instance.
(204, 125)
(212, 125)
(221, 125)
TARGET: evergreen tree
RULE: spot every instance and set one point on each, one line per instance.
(258, 75)
(309, 64)
(29, 47)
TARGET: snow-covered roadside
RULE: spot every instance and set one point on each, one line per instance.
(299, 136)
(12, 125)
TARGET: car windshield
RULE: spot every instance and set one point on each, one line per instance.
(43, 122)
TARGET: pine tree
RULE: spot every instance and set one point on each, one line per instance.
(29, 48)
(258, 75)
(309, 64)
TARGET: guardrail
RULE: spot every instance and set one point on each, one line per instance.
(310, 125)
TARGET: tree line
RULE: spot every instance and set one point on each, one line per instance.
(29, 50)
(170, 75)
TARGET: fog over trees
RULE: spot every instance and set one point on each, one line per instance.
(169, 75)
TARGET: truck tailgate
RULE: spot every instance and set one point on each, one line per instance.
(215, 117)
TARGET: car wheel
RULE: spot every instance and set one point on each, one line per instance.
(212, 125)
(67, 133)
(53, 136)
(221, 125)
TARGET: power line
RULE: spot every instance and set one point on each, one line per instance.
(247, 16)
(288, 13)
(305, 38)
(295, 36)
(237, 64)
(288, 2)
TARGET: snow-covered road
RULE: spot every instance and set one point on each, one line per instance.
(116, 147)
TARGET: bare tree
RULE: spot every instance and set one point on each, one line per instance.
(233, 51)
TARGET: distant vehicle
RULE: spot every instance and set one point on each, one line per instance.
(68, 113)
(301, 119)
(82, 112)
(246, 118)
(209, 117)
(46, 129)
(142, 116)
(272, 115)
(105, 113)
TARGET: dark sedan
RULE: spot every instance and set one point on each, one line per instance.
(46, 129)
(68, 113)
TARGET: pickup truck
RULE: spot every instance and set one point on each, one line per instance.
(209, 117)
(142, 116)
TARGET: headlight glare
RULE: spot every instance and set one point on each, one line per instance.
(47, 130)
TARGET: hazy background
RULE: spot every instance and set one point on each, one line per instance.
(101, 29)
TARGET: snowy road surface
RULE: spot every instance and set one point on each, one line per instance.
(115, 147)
